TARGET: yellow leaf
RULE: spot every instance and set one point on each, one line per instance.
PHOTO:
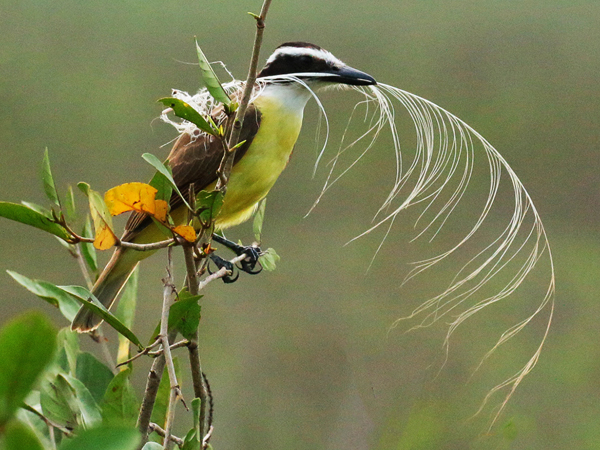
(186, 232)
(105, 238)
(161, 208)
(131, 197)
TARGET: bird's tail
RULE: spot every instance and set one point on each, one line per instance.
(107, 287)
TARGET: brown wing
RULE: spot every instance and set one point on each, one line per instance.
(196, 160)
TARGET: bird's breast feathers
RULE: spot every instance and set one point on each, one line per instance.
(257, 171)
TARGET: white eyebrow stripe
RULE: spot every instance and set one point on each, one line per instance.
(299, 51)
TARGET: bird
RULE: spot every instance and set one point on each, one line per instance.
(270, 130)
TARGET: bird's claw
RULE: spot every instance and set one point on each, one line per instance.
(222, 263)
(252, 253)
(249, 263)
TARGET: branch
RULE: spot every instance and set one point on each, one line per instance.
(154, 377)
(149, 399)
(159, 352)
(229, 156)
(200, 390)
(221, 272)
(164, 330)
(147, 247)
(86, 274)
(158, 430)
(76, 239)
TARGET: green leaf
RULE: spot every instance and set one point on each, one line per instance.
(88, 251)
(18, 436)
(38, 208)
(90, 411)
(67, 402)
(185, 314)
(49, 186)
(57, 399)
(68, 343)
(87, 298)
(70, 209)
(152, 446)
(104, 438)
(159, 413)
(49, 292)
(126, 312)
(155, 162)
(259, 218)
(269, 259)
(27, 216)
(209, 204)
(187, 112)
(120, 405)
(95, 375)
(27, 345)
(191, 441)
(196, 404)
(210, 79)
(34, 419)
(162, 184)
(192, 438)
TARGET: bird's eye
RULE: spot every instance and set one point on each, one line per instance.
(305, 59)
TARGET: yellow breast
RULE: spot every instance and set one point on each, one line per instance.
(257, 171)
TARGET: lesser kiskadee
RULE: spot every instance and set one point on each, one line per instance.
(271, 127)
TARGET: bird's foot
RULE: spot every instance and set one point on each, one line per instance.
(252, 253)
(223, 263)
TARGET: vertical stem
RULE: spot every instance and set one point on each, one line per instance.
(82, 266)
(234, 139)
(157, 369)
(152, 384)
(200, 390)
(166, 348)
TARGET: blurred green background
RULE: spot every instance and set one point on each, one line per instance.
(302, 358)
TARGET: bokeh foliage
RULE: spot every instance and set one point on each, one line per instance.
(302, 357)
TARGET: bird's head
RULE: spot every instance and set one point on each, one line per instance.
(310, 62)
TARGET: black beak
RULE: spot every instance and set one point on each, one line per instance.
(351, 76)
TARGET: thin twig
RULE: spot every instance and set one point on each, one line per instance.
(182, 343)
(84, 271)
(75, 239)
(234, 139)
(145, 351)
(158, 430)
(98, 336)
(52, 437)
(166, 346)
(154, 377)
(221, 272)
(207, 437)
(147, 247)
(194, 356)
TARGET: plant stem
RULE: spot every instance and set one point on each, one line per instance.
(82, 266)
(166, 346)
(197, 379)
(156, 371)
(229, 157)
(156, 428)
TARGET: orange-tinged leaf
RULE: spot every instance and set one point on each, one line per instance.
(105, 238)
(186, 232)
(161, 208)
(131, 197)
